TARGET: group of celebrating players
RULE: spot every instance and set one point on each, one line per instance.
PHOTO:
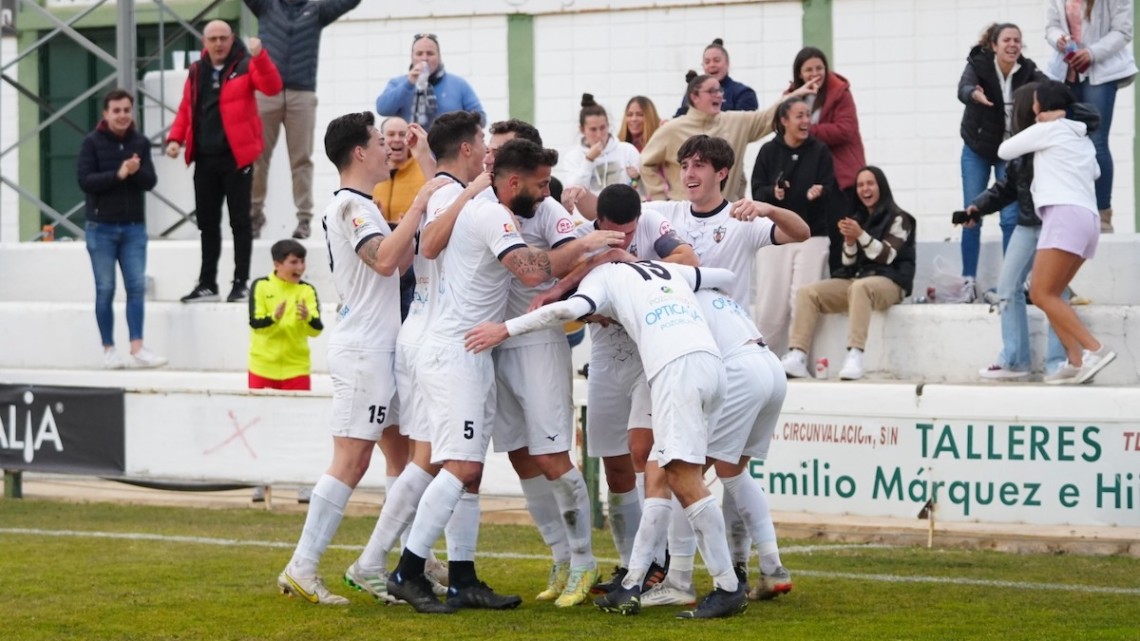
(680, 378)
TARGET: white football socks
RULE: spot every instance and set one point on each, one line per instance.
(573, 504)
(395, 515)
(651, 534)
(625, 515)
(326, 508)
(462, 530)
(543, 510)
(708, 523)
(752, 503)
(739, 542)
(682, 548)
(434, 511)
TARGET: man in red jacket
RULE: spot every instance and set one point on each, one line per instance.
(219, 123)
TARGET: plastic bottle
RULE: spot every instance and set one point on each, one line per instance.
(422, 80)
(821, 368)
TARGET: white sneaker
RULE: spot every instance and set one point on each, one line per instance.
(146, 359)
(311, 589)
(665, 594)
(1066, 374)
(996, 372)
(113, 360)
(795, 364)
(852, 366)
(1093, 362)
(374, 584)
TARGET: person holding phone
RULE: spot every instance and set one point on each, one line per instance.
(794, 171)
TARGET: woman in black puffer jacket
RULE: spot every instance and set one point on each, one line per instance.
(995, 68)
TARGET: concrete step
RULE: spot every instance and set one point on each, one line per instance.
(921, 343)
(201, 336)
(950, 343)
(62, 271)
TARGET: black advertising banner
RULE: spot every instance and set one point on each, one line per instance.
(71, 430)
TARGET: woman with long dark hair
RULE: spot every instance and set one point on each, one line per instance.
(995, 68)
(1064, 174)
(877, 272)
(793, 171)
(835, 122)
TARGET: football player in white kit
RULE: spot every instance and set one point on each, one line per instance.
(365, 258)
(618, 409)
(723, 235)
(755, 395)
(655, 304)
(456, 141)
(484, 251)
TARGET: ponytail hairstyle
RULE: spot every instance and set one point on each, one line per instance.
(1023, 115)
(805, 54)
(590, 108)
(782, 112)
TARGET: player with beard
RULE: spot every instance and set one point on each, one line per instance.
(484, 252)
(655, 303)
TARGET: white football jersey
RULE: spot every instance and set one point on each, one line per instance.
(731, 326)
(477, 284)
(550, 228)
(655, 304)
(369, 314)
(429, 280)
(721, 240)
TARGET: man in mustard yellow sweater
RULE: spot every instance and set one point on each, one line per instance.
(283, 314)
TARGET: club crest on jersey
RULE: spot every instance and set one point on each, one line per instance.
(565, 226)
(508, 228)
(358, 221)
(667, 289)
(718, 233)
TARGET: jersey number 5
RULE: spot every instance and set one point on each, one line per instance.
(469, 430)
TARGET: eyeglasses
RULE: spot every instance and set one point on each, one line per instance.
(430, 36)
(713, 92)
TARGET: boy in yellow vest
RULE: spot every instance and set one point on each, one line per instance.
(283, 314)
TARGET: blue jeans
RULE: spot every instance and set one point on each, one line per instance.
(1103, 97)
(125, 244)
(1011, 294)
(975, 180)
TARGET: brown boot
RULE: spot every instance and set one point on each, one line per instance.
(1106, 221)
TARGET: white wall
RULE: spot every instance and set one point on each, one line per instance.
(904, 59)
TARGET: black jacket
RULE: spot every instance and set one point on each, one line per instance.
(901, 269)
(110, 200)
(290, 30)
(983, 128)
(806, 165)
(1019, 177)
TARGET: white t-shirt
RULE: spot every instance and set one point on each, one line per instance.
(550, 228)
(731, 326)
(477, 284)
(720, 240)
(653, 300)
(429, 280)
(369, 316)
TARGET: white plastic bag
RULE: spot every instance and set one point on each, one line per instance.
(949, 285)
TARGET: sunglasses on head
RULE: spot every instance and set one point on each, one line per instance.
(430, 36)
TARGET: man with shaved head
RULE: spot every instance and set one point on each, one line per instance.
(218, 123)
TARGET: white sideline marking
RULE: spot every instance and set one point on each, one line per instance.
(800, 549)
